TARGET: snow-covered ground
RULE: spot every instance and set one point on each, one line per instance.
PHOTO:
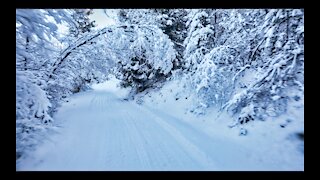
(101, 131)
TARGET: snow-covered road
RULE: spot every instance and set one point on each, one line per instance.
(102, 132)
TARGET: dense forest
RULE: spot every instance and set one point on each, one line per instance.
(248, 63)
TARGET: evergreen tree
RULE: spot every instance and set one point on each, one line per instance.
(150, 58)
(173, 24)
(81, 22)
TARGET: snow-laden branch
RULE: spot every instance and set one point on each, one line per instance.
(81, 41)
(238, 73)
(86, 39)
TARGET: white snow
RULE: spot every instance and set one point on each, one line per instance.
(231, 99)
(112, 86)
(169, 22)
(100, 131)
(101, 19)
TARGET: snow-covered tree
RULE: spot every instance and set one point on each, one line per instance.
(37, 45)
(32, 106)
(248, 62)
(81, 22)
(36, 37)
(136, 17)
(199, 39)
(244, 59)
(279, 61)
(149, 58)
(40, 53)
(173, 24)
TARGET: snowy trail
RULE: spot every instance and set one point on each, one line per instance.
(102, 132)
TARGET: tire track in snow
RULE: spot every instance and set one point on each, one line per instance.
(167, 153)
(192, 149)
(137, 140)
(112, 155)
(159, 158)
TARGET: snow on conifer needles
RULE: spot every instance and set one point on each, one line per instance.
(248, 63)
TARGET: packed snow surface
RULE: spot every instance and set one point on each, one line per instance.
(100, 131)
